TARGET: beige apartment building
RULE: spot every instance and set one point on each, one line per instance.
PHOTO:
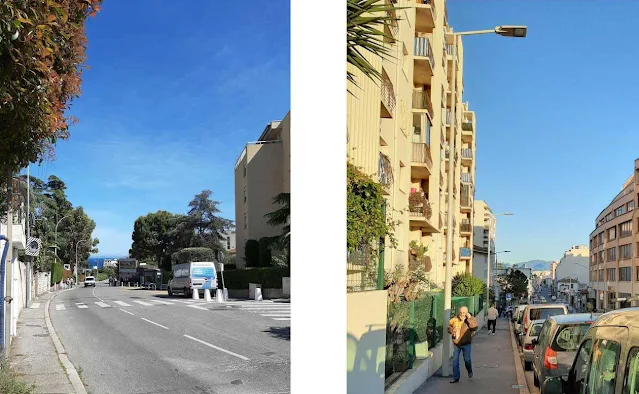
(262, 171)
(481, 234)
(614, 250)
(399, 132)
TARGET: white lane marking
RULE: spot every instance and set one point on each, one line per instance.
(35, 305)
(103, 305)
(281, 318)
(142, 303)
(278, 315)
(162, 302)
(185, 302)
(152, 322)
(96, 295)
(126, 312)
(60, 307)
(265, 309)
(218, 348)
(122, 303)
(197, 307)
(81, 305)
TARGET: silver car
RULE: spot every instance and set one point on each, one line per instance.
(89, 281)
(527, 342)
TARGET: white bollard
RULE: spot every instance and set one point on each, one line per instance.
(219, 296)
(258, 294)
(196, 293)
(207, 295)
(226, 294)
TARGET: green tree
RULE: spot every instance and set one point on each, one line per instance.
(281, 217)
(514, 282)
(203, 226)
(76, 231)
(467, 285)
(42, 58)
(155, 237)
(365, 20)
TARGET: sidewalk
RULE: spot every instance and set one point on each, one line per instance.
(33, 355)
(493, 366)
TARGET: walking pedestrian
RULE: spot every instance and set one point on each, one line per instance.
(461, 327)
(492, 318)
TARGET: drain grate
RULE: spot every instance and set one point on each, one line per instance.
(488, 366)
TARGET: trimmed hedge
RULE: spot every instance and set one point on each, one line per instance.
(230, 267)
(264, 246)
(252, 253)
(188, 255)
(269, 278)
(56, 273)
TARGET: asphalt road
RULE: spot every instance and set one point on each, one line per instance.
(138, 341)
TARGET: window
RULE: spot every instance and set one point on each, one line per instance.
(625, 251)
(581, 369)
(601, 275)
(244, 170)
(610, 272)
(625, 229)
(620, 211)
(612, 233)
(244, 193)
(534, 330)
(593, 258)
(631, 205)
(601, 257)
(568, 337)
(228, 243)
(545, 329)
(612, 254)
(603, 367)
(545, 313)
(631, 384)
(625, 274)
(601, 238)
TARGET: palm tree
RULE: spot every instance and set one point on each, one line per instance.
(281, 217)
(365, 20)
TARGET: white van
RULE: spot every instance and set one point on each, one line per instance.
(198, 275)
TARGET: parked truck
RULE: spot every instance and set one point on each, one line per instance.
(193, 276)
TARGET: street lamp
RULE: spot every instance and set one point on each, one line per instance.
(76, 259)
(55, 257)
(505, 31)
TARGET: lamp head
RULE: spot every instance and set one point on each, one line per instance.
(512, 31)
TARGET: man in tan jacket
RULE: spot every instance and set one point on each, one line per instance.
(461, 327)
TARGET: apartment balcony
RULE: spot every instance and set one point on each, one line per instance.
(466, 201)
(421, 101)
(467, 131)
(441, 181)
(425, 15)
(391, 26)
(454, 257)
(424, 61)
(422, 162)
(385, 172)
(465, 253)
(466, 178)
(420, 213)
(388, 98)
(465, 227)
(467, 156)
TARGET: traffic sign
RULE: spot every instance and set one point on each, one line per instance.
(509, 296)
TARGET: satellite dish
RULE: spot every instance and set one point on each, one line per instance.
(33, 246)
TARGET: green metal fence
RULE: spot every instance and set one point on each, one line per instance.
(415, 326)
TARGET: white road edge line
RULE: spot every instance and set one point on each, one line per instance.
(35, 305)
(281, 318)
(197, 307)
(218, 348)
(126, 311)
(278, 315)
(157, 324)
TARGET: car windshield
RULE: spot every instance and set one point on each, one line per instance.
(89, 278)
(569, 337)
(534, 330)
(545, 313)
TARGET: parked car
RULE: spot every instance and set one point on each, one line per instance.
(557, 343)
(517, 322)
(542, 312)
(89, 281)
(607, 361)
(527, 342)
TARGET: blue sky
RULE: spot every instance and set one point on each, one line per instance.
(172, 97)
(543, 106)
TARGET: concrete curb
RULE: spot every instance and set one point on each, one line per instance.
(72, 373)
(521, 376)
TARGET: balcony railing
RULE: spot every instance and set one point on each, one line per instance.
(422, 209)
(466, 177)
(448, 115)
(388, 94)
(385, 170)
(392, 22)
(467, 126)
(423, 48)
(421, 153)
(465, 226)
(421, 100)
(465, 252)
(449, 49)
(441, 180)
(467, 153)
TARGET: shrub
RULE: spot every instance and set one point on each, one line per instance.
(188, 255)
(102, 276)
(265, 252)
(229, 267)
(269, 278)
(56, 273)
(467, 285)
(252, 253)
(10, 384)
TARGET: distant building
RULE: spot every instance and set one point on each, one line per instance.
(110, 263)
(262, 171)
(482, 220)
(571, 274)
(229, 242)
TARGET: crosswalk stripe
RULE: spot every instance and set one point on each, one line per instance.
(142, 303)
(103, 305)
(81, 305)
(281, 318)
(277, 315)
(162, 302)
(197, 307)
(35, 305)
(122, 303)
(60, 307)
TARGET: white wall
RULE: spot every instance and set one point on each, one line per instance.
(574, 264)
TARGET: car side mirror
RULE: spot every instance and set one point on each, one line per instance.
(554, 385)
(534, 342)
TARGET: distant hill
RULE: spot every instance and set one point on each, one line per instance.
(538, 265)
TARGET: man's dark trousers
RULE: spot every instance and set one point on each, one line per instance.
(493, 323)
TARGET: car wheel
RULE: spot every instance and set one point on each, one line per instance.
(535, 380)
(527, 365)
